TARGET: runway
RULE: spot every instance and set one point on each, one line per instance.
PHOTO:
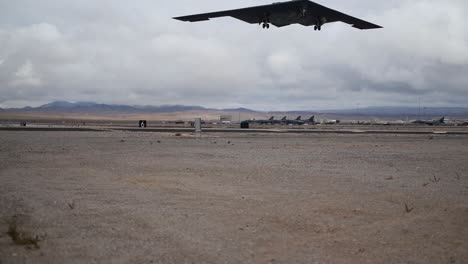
(337, 130)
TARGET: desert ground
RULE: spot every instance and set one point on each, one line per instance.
(131, 197)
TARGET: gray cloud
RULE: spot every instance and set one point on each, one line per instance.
(134, 53)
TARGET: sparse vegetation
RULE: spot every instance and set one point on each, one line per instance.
(434, 179)
(71, 205)
(21, 238)
(408, 209)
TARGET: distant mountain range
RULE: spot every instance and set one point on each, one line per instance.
(63, 107)
(95, 108)
(402, 111)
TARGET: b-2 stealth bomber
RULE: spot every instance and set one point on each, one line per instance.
(303, 12)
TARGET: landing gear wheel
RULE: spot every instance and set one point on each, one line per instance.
(315, 28)
(267, 25)
(264, 25)
(319, 28)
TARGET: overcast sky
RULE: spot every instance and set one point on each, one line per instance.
(132, 52)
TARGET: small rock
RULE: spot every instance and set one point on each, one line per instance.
(361, 250)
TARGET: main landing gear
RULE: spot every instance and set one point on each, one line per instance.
(265, 21)
(319, 22)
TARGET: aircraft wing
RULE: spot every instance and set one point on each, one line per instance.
(252, 15)
(334, 16)
(282, 14)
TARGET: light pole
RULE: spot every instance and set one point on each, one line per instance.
(419, 110)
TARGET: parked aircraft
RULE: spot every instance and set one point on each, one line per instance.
(276, 122)
(430, 122)
(304, 12)
(285, 121)
(312, 121)
(298, 121)
(271, 120)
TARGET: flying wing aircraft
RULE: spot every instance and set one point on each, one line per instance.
(304, 12)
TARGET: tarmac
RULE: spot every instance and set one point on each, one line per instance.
(337, 130)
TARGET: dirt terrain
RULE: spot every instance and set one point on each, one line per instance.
(130, 197)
